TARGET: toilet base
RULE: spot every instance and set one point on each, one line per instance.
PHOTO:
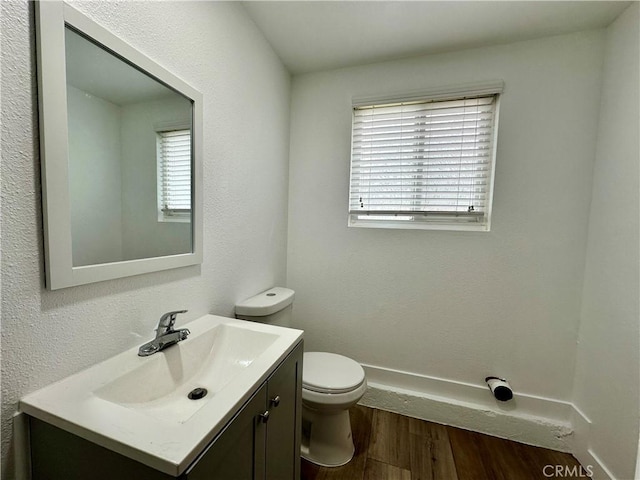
(326, 437)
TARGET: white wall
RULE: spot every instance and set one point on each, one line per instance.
(143, 235)
(95, 178)
(48, 335)
(454, 305)
(608, 355)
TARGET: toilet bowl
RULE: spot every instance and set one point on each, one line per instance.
(331, 384)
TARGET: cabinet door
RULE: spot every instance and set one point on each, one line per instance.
(59, 455)
(238, 452)
(283, 429)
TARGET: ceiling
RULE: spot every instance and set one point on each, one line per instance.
(96, 71)
(310, 36)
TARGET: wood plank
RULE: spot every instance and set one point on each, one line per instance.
(309, 471)
(479, 456)
(530, 462)
(391, 446)
(543, 461)
(383, 471)
(536, 459)
(467, 454)
(430, 451)
(501, 459)
(390, 440)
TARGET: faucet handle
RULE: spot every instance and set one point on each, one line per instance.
(167, 321)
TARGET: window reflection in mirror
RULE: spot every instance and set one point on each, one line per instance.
(130, 158)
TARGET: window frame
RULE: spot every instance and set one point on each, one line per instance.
(450, 222)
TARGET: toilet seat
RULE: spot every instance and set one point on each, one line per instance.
(330, 373)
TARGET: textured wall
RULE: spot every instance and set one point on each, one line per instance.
(218, 50)
(608, 357)
(454, 305)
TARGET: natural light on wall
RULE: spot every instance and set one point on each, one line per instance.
(424, 163)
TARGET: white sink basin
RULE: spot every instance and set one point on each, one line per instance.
(138, 406)
(160, 386)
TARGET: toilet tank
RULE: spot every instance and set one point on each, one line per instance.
(272, 306)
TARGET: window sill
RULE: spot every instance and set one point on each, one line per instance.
(174, 218)
(413, 225)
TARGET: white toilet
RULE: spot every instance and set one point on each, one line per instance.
(331, 384)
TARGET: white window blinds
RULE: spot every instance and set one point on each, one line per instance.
(174, 162)
(423, 160)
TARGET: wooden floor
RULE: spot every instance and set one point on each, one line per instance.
(395, 447)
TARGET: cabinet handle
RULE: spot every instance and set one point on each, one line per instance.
(264, 416)
(275, 401)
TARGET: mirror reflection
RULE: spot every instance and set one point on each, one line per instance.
(130, 158)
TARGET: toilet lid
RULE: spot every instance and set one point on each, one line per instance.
(330, 373)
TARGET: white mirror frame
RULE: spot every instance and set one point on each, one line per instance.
(51, 17)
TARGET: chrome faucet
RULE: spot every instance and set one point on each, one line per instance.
(165, 334)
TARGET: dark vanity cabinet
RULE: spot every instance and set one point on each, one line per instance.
(261, 442)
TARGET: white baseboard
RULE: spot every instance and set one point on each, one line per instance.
(581, 450)
(598, 469)
(529, 419)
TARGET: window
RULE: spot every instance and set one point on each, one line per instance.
(174, 175)
(424, 163)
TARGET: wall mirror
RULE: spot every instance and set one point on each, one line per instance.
(121, 155)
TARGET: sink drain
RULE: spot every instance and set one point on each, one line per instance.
(197, 393)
